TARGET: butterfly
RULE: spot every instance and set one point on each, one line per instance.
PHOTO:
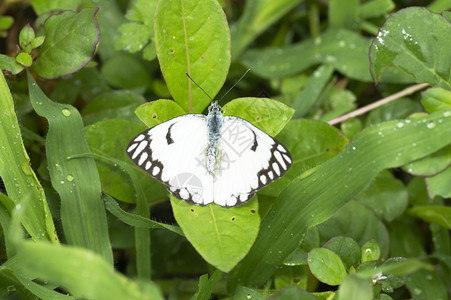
(210, 159)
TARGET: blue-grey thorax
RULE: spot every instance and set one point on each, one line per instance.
(214, 125)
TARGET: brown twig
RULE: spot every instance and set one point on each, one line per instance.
(410, 90)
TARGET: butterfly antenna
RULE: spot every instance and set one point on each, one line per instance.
(198, 85)
(234, 84)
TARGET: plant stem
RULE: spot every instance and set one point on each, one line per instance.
(410, 90)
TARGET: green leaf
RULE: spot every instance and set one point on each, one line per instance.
(431, 164)
(326, 266)
(6, 22)
(344, 50)
(438, 185)
(405, 42)
(436, 214)
(436, 99)
(17, 175)
(112, 105)
(70, 43)
(37, 42)
(268, 115)
(386, 196)
(206, 285)
(311, 200)
(26, 36)
(358, 222)
(257, 16)
(351, 127)
(223, 236)
(110, 138)
(375, 8)
(76, 180)
(134, 76)
(24, 59)
(398, 109)
(63, 266)
(291, 292)
(343, 13)
(370, 251)
(292, 276)
(427, 284)
(355, 288)
(159, 111)
(346, 248)
(42, 6)
(192, 36)
(10, 64)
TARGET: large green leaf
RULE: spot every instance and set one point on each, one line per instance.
(414, 41)
(345, 50)
(18, 176)
(76, 180)
(312, 200)
(192, 36)
(70, 43)
(223, 236)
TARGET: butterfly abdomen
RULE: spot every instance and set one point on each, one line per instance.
(214, 125)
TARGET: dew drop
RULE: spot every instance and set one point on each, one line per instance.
(430, 124)
(400, 124)
(66, 112)
(70, 177)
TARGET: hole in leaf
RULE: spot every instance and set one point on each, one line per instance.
(233, 218)
(253, 211)
(154, 116)
(192, 210)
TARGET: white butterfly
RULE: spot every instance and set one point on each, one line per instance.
(210, 159)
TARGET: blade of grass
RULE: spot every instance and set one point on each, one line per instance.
(77, 181)
(17, 174)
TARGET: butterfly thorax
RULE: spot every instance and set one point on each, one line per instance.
(214, 123)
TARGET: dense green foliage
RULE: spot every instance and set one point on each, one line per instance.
(363, 213)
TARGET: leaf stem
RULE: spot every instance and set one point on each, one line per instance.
(410, 90)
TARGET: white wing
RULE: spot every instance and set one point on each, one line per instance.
(174, 153)
(249, 159)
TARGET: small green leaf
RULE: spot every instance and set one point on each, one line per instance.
(193, 37)
(24, 59)
(326, 266)
(351, 127)
(375, 8)
(343, 13)
(222, 236)
(405, 43)
(427, 284)
(398, 109)
(268, 115)
(438, 185)
(37, 42)
(10, 64)
(346, 248)
(370, 251)
(156, 112)
(6, 22)
(206, 285)
(70, 43)
(436, 214)
(436, 99)
(26, 36)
